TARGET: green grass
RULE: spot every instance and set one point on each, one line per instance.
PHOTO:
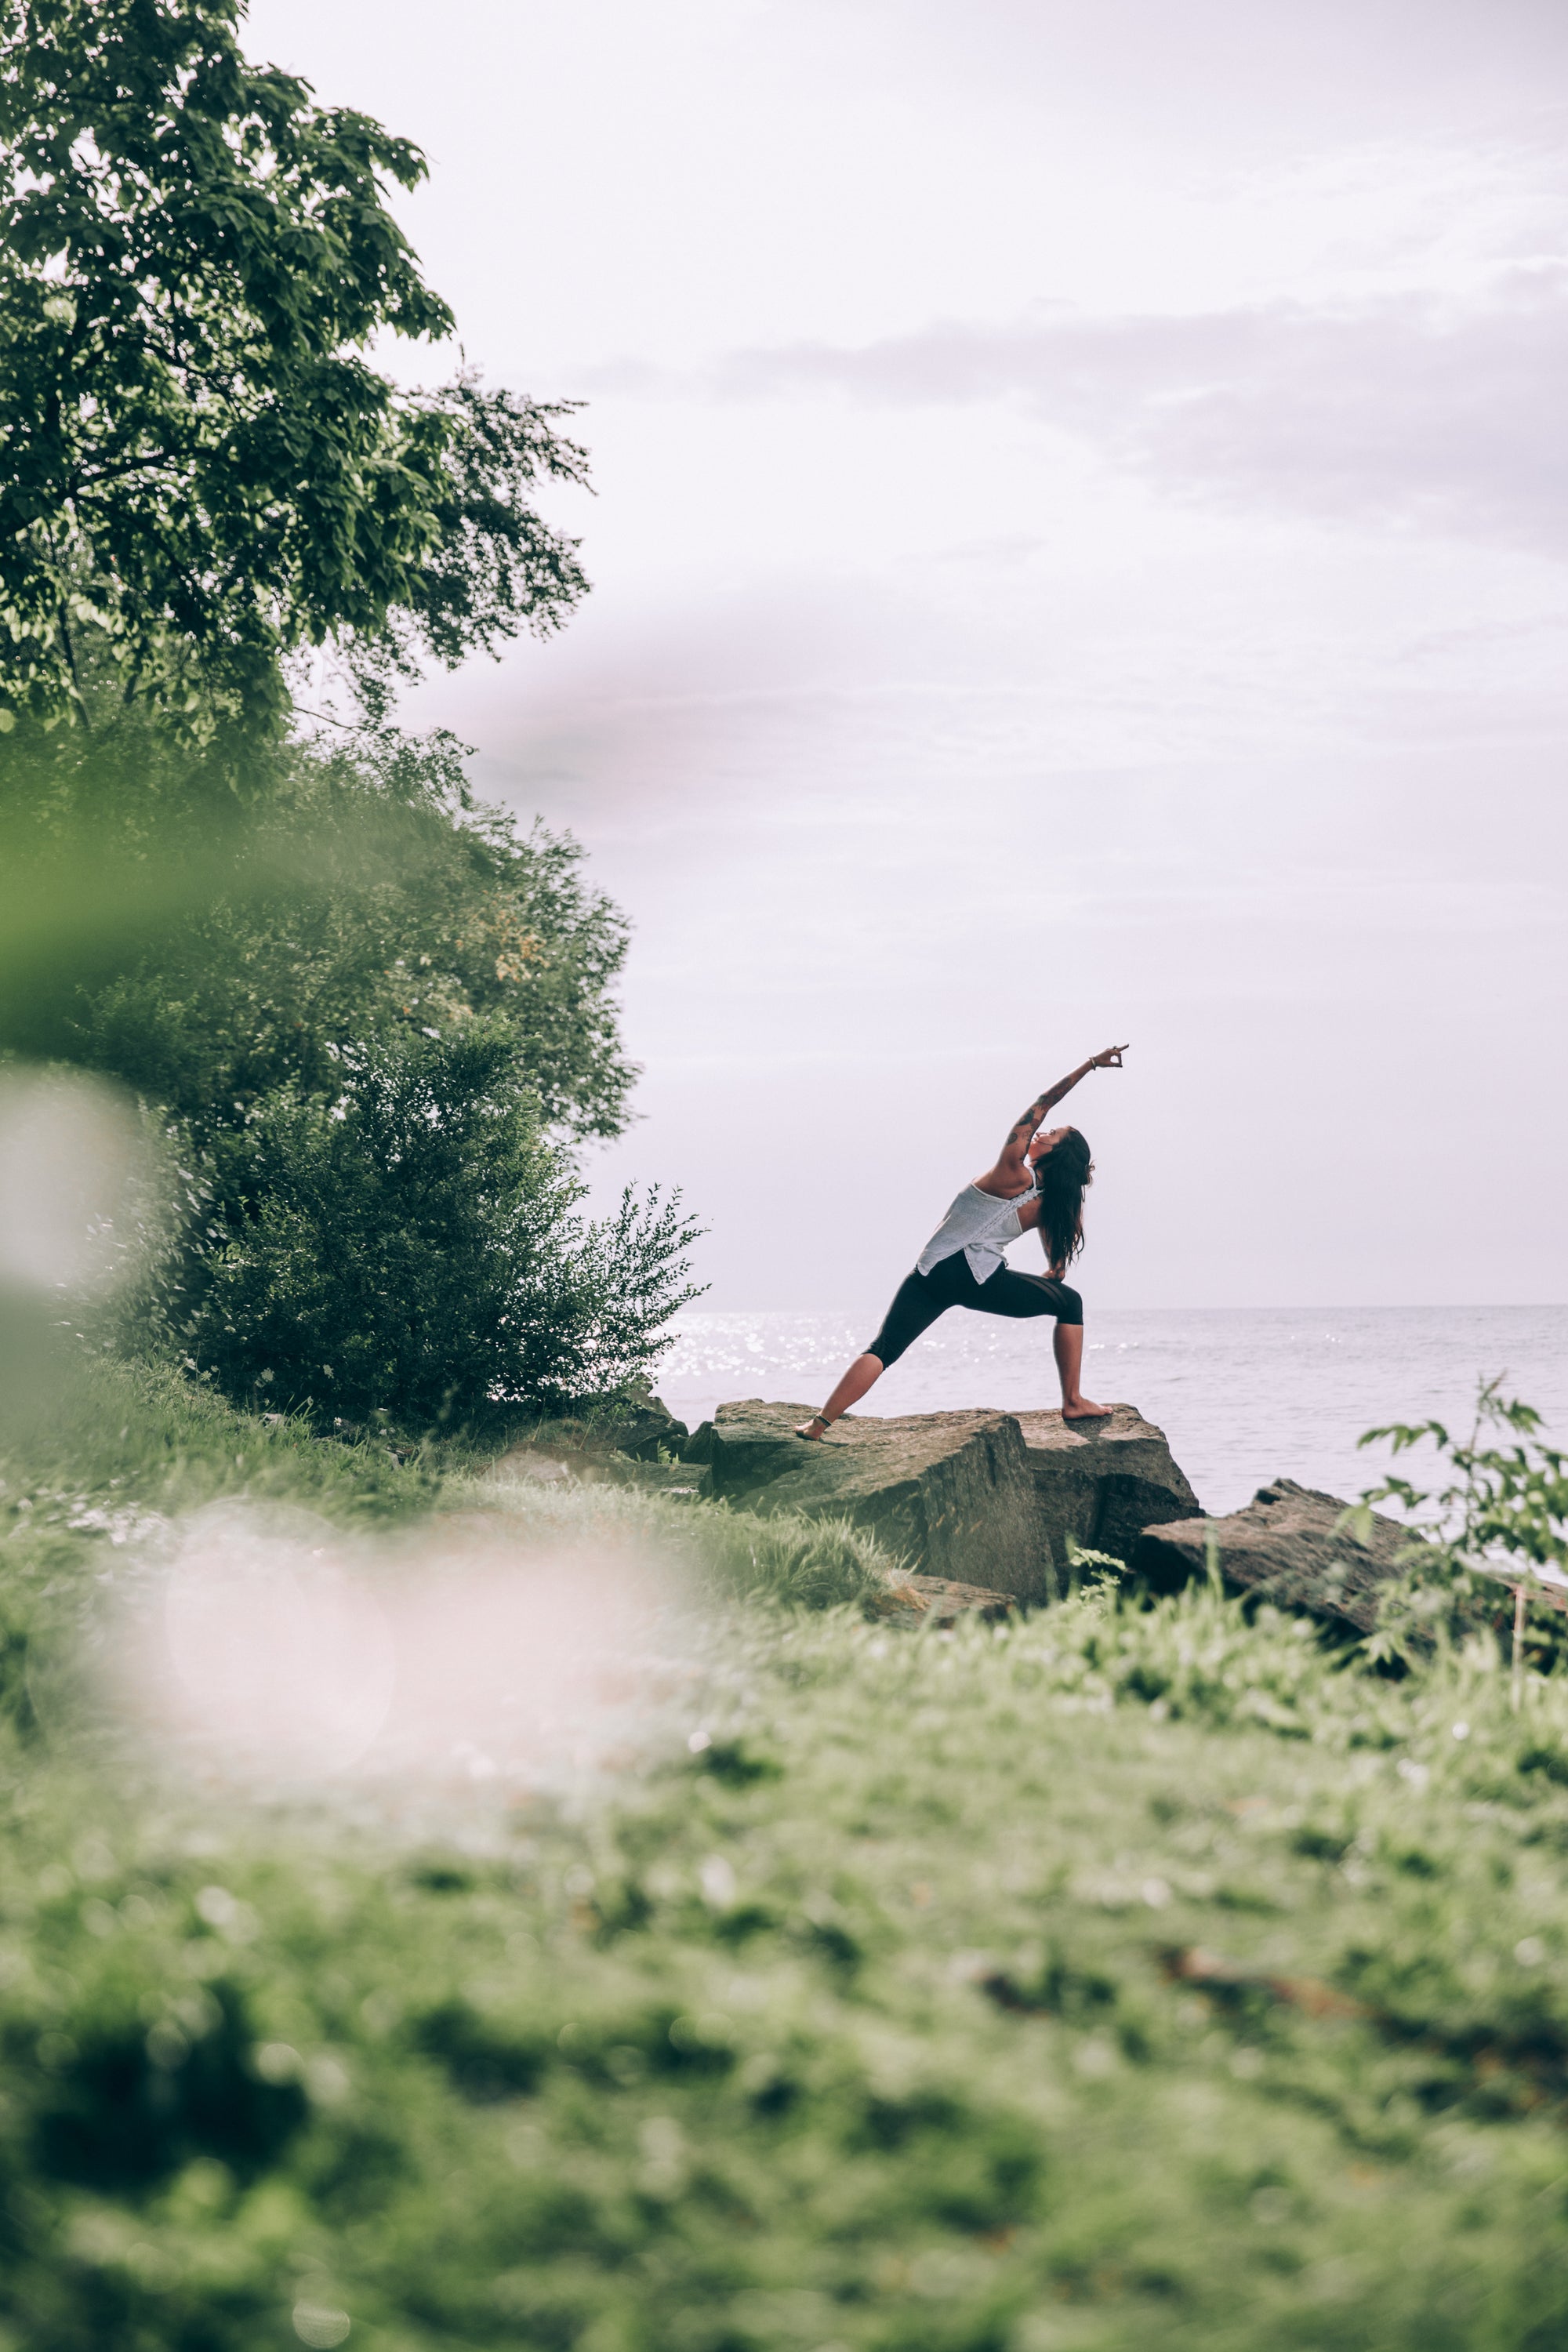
(865, 2023)
(121, 1434)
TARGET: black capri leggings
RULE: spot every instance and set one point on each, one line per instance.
(921, 1298)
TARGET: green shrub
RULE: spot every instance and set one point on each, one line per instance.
(1501, 1520)
(413, 1249)
(127, 2100)
(321, 987)
(345, 894)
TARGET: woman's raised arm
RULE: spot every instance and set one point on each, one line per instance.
(1012, 1162)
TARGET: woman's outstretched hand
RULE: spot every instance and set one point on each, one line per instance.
(1011, 1171)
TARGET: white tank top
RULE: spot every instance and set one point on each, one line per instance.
(980, 1225)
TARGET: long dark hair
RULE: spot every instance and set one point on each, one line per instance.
(1061, 1180)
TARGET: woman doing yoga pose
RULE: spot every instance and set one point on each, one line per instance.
(1038, 1182)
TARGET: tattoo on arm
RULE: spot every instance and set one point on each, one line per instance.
(1030, 1120)
(1018, 1136)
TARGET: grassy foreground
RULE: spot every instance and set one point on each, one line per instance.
(1116, 1978)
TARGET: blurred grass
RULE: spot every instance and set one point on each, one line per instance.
(815, 1563)
(142, 1434)
(868, 2025)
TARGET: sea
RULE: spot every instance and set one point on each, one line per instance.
(1245, 1395)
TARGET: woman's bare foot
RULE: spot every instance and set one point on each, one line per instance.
(1084, 1409)
(815, 1430)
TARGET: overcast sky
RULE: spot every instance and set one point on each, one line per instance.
(1080, 553)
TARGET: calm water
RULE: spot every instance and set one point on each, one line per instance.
(1244, 1395)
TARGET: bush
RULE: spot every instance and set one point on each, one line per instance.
(414, 1250)
(327, 986)
(1501, 1522)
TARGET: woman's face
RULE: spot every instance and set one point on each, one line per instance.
(1048, 1143)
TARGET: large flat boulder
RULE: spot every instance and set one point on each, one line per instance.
(1288, 1548)
(977, 1497)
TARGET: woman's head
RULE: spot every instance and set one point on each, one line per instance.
(1064, 1171)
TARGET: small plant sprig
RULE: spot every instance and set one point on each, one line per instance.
(1094, 1571)
(1502, 1516)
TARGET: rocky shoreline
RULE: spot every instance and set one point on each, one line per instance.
(982, 1497)
(987, 1509)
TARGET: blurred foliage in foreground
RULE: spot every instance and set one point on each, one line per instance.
(327, 891)
(1126, 1975)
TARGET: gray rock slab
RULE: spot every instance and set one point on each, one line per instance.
(938, 1601)
(977, 1497)
(1287, 1547)
(1102, 1482)
(683, 1481)
(647, 1428)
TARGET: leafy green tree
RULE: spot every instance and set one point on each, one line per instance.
(371, 1017)
(200, 472)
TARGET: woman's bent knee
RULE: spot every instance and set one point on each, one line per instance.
(1071, 1308)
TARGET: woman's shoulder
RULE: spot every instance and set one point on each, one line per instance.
(1002, 1184)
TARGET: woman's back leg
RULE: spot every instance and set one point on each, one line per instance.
(1024, 1296)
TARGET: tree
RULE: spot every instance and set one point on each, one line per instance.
(200, 472)
(370, 1017)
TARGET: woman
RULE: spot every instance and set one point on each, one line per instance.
(1038, 1182)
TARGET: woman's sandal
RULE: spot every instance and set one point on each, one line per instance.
(806, 1427)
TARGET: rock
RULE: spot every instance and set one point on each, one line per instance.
(938, 1601)
(1102, 1482)
(596, 1465)
(982, 1498)
(950, 1494)
(645, 1427)
(535, 1466)
(683, 1481)
(1287, 1547)
(636, 1426)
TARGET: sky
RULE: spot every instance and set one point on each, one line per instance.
(1079, 553)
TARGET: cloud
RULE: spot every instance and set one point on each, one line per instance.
(1404, 410)
(1256, 70)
